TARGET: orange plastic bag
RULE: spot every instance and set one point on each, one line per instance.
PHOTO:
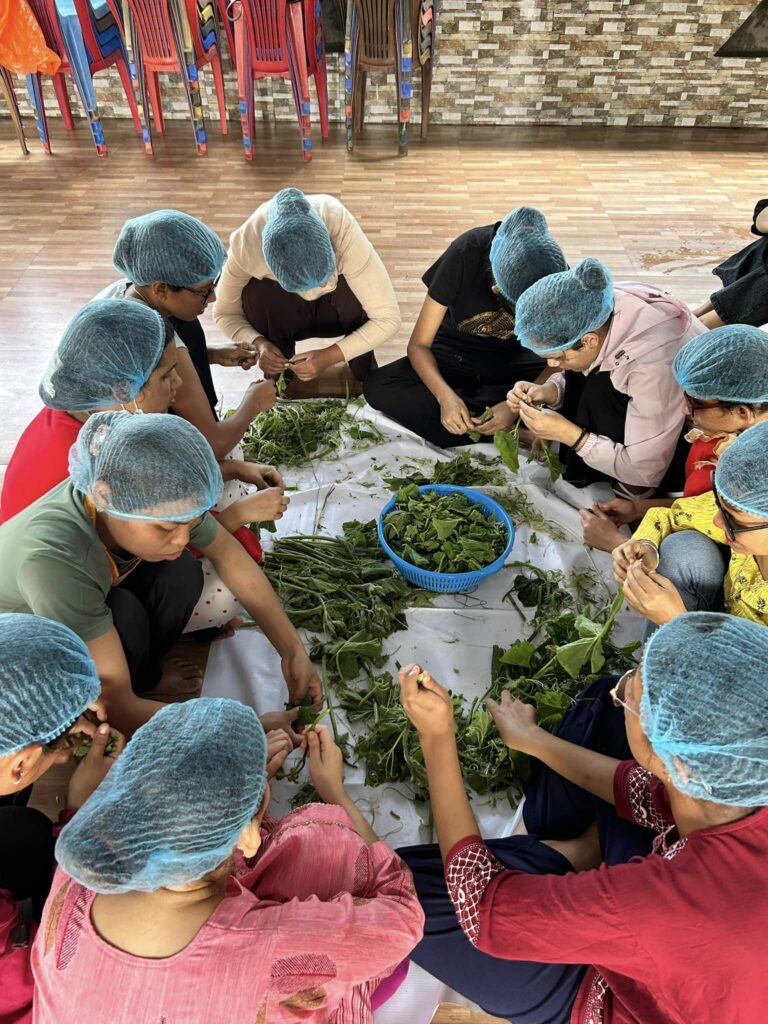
(22, 46)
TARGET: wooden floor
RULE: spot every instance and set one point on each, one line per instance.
(663, 206)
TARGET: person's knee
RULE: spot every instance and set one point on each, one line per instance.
(690, 556)
(376, 388)
(181, 579)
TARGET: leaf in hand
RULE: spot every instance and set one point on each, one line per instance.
(508, 445)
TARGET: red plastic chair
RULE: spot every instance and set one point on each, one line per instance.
(47, 17)
(280, 39)
(164, 35)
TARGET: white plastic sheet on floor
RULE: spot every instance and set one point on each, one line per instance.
(453, 639)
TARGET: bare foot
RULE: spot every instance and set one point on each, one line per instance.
(180, 678)
(600, 531)
(227, 631)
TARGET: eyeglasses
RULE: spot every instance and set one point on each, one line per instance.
(695, 404)
(206, 293)
(617, 693)
(730, 529)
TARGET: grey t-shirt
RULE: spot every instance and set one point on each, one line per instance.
(55, 565)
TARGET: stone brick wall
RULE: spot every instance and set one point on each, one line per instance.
(516, 62)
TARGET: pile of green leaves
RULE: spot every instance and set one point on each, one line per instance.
(445, 533)
(344, 587)
(294, 433)
(566, 650)
(469, 469)
(508, 445)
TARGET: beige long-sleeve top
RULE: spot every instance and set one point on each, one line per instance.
(356, 259)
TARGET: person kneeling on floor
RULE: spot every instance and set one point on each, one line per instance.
(543, 932)
(620, 411)
(178, 896)
(463, 353)
(104, 553)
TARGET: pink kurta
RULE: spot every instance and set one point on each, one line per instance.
(304, 934)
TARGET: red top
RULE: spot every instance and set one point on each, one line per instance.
(39, 462)
(699, 465)
(677, 937)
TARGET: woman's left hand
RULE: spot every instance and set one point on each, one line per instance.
(252, 473)
(652, 595)
(503, 419)
(309, 365)
(301, 677)
(242, 354)
(549, 425)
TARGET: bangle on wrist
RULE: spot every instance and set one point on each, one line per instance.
(580, 439)
(654, 549)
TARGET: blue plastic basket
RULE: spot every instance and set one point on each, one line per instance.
(450, 582)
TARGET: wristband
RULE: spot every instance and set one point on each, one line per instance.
(652, 546)
(580, 439)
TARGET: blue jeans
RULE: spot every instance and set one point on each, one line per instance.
(697, 567)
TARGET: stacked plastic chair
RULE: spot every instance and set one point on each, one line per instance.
(380, 36)
(178, 36)
(87, 40)
(280, 39)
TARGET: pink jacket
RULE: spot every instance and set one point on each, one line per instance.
(647, 330)
(304, 934)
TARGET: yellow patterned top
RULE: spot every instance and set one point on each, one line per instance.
(744, 589)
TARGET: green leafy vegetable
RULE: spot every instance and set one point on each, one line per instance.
(443, 532)
(294, 433)
(83, 742)
(468, 469)
(487, 414)
(508, 444)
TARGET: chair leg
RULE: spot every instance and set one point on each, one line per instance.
(218, 81)
(297, 62)
(35, 92)
(125, 78)
(426, 93)
(350, 38)
(62, 97)
(361, 86)
(153, 84)
(321, 87)
(243, 68)
(403, 70)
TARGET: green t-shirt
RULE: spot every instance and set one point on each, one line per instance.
(54, 564)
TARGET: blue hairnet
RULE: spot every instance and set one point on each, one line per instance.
(296, 244)
(553, 314)
(741, 473)
(168, 246)
(155, 466)
(705, 705)
(175, 802)
(105, 357)
(729, 364)
(523, 251)
(47, 680)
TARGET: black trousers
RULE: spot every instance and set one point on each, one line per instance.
(26, 854)
(479, 377)
(150, 608)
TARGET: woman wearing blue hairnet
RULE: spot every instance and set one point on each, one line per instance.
(301, 268)
(172, 263)
(463, 353)
(114, 355)
(195, 905)
(105, 553)
(723, 375)
(49, 692)
(708, 552)
(548, 933)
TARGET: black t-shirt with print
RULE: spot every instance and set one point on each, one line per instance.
(461, 280)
